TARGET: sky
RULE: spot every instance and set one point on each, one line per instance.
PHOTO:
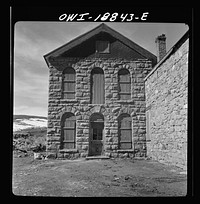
(32, 40)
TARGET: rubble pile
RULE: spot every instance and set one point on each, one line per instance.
(25, 144)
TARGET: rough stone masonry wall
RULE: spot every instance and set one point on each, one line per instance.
(82, 108)
(166, 93)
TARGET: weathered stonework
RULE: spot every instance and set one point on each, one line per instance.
(156, 105)
(166, 92)
(82, 109)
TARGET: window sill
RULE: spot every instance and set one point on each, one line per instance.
(68, 150)
(125, 101)
(69, 100)
(125, 150)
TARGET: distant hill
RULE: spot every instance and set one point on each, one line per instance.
(23, 122)
(27, 117)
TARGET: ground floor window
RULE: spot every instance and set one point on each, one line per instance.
(125, 131)
(68, 133)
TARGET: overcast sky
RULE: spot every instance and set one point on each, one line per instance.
(34, 39)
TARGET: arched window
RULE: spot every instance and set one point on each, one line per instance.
(124, 81)
(68, 131)
(97, 86)
(69, 83)
(125, 131)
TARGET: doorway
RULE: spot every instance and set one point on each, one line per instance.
(96, 134)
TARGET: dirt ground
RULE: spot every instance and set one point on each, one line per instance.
(96, 178)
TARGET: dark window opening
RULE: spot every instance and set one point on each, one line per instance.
(97, 86)
(125, 132)
(68, 135)
(69, 83)
(124, 84)
(102, 47)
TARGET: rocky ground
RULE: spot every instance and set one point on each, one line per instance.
(96, 178)
(88, 178)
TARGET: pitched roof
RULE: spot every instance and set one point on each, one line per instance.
(101, 28)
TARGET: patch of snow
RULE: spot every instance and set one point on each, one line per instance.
(22, 124)
(35, 122)
(38, 119)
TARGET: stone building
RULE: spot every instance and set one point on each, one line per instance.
(109, 97)
(96, 100)
(166, 93)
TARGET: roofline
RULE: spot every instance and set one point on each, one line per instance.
(171, 51)
(135, 44)
(76, 38)
(115, 34)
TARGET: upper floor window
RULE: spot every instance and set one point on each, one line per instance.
(102, 47)
(97, 86)
(69, 83)
(124, 81)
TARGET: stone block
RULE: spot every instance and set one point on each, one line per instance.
(84, 101)
(84, 125)
(79, 94)
(51, 155)
(84, 154)
(114, 154)
(114, 110)
(115, 95)
(109, 139)
(107, 154)
(66, 155)
(84, 147)
(114, 147)
(60, 155)
(107, 147)
(86, 131)
(107, 132)
(79, 131)
(122, 155)
(131, 155)
(109, 95)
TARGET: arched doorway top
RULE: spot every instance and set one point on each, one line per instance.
(97, 70)
(96, 117)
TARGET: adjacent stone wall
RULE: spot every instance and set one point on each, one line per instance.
(166, 91)
(111, 110)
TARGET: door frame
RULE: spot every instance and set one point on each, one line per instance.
(90, 153)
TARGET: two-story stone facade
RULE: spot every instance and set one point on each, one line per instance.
(96, 100)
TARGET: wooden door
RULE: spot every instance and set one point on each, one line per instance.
(97, 86)
(96, 138)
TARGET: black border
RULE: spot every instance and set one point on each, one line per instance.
(157, 14)
(167, 14)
